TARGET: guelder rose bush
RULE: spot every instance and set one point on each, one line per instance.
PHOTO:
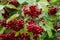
(29, 19)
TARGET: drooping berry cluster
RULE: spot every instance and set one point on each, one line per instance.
(35, 29)
(10, 36)
(15, 25)
(32, 11)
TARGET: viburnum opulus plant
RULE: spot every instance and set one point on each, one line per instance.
(29, 19)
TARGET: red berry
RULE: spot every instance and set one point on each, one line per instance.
(48, 0)
(35, 36)
(14, 2)
(57, 27)
(25, 9)
(25, 36)
(31, 21)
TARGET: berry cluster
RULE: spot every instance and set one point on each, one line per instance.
(52, 11)
(15, 25)
(10, 36)
(32, 10)
(35, 29)
(24, 25)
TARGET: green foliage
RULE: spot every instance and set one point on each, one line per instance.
(50, 20)
(21, 1)
(2, 30)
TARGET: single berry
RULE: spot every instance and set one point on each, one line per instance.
(48, 0)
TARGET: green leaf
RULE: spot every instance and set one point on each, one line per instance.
(39, 37)
(49, 32)
(31, 35)
(21, 31)
(49, 25)
(2, 6)
(43, 0)
(58, 13)
(26, 18)
(25, 29)
(12, 17)
(10, 6)
(49, 28)
(21, 1)
(53, 2)
(12, 13)
(2, 30)
(1, 17)
(52, 18)
(43, 5)
(40, 24)
(31, 1)
(17, 34)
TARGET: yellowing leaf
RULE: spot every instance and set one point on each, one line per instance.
(12, 17)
